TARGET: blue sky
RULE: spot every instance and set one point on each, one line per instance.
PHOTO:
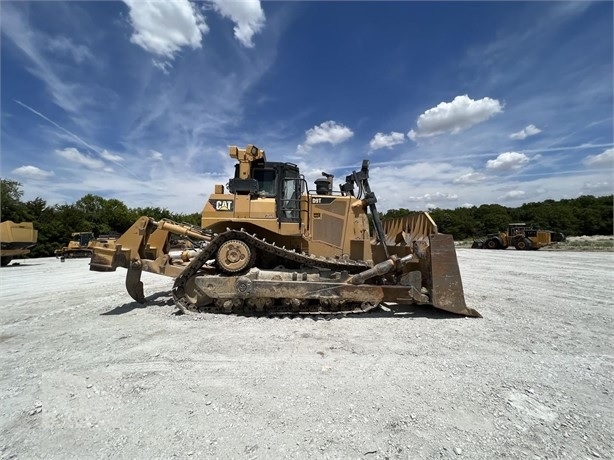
(454, 103)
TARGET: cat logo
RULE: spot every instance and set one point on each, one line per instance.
(222, 205)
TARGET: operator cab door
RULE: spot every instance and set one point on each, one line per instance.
(283, 182)
(290, 188)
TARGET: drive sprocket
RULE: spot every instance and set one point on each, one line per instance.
(234, 256)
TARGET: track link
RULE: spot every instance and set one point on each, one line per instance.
(266, 306)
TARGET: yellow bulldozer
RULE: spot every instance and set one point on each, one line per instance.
(521, 237)
(16, 239)
(80, 245)
(269, 245)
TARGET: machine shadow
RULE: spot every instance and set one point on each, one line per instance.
(400, 311)
(151, 301)
(162, 299)
(410, 311)
(19, 264)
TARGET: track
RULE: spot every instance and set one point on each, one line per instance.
(76, 253)
(268, 306)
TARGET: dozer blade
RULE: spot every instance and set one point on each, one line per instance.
(438, 263)
(446, 284)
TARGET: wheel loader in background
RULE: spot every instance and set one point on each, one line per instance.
(80, 245)
(271, 246)
(521, 237)
(16, 239)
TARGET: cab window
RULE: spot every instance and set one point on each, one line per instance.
(266, 181)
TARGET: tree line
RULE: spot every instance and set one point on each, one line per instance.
(91, 213)
(585, 215)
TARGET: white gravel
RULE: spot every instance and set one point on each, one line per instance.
(87, 373)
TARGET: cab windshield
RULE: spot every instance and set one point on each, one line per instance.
(266, 181)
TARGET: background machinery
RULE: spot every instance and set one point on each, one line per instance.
(16, 239)
(80, 245)
(268, 245)
(521, 237)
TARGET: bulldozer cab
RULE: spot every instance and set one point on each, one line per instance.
(82, 239)
(282, 182)
(259, 179)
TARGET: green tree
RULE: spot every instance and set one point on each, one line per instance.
(193, 219)
(491, 218)
(12, 208)
(154, 213)
(116, 216)
(94, 209)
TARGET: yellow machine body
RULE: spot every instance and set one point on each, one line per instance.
(16, 239)
(268, 244)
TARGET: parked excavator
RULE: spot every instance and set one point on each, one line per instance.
(268, 245)
(16, 239)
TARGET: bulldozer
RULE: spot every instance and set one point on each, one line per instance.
(520, 236)
(16, 239)
(269, 245)
(80, 245)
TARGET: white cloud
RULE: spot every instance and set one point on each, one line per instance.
(381, 140)
(73, 155)
(67, 94)
(530, 130)
(512, 194)
(453, 117)
(507, 161)
(110, 156)
(470, 178)
(247, 15)
(64, 45)
(434, 196)
(32, 172)
(595, 188)
(155, 155)
(164, 27)
(606, 159)
(329, 132)
(164, 66)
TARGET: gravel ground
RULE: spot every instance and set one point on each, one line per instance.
(86, 373)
